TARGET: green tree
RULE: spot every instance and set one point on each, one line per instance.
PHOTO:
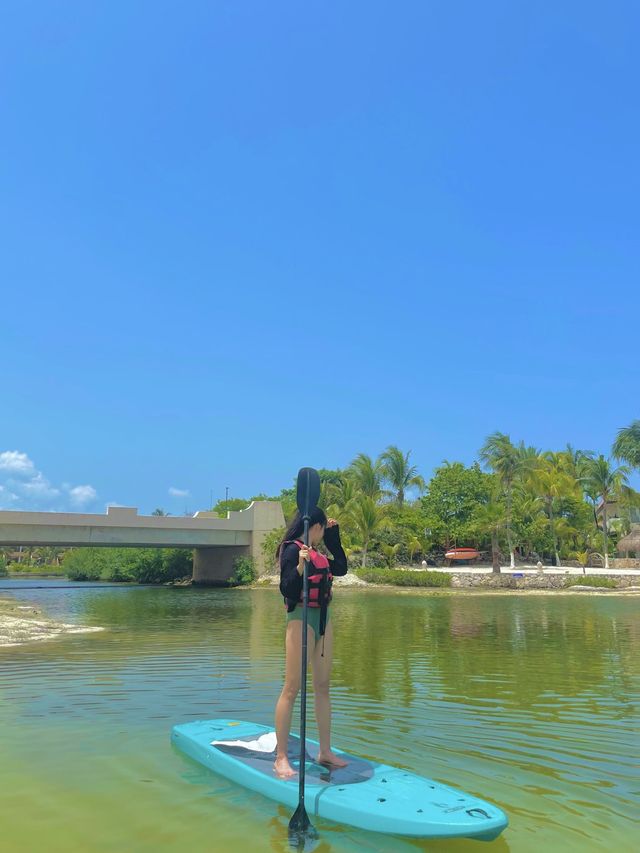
(452, 497)
(626, 447)
(230, 505)
(399, 473)
(366, 518)
(583, 558)
(491, 520)
(607, 483)
(331, 475)
(508, 462)
(552, 484)
(336, 498)
(529, 521)
(414, 545)
(367, 475)
(390, 552)
(573, 461)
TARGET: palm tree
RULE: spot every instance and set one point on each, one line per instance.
(527, 456)
(414, 545)
(390, 552)
(491, 519)
(619, 526)
(627, 444)
(336, 499)
(367, 475)
(565, 533)
(552, 484)
(367, 518)
(399, 473)
(529, 517)
(583, 558)
(48, 555)
(573, 461)
(508, 462)
(606, 483)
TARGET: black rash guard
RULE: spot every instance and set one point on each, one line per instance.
(291, 580)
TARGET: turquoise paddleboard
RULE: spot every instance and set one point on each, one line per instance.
(364, 794)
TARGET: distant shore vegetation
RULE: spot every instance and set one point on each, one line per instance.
(514, 504)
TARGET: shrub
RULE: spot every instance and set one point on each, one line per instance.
(397, 577)
(177, 563)
(244, 572)
(117, 573)
(375, 559)
(4, 571)
(590, 580)
(144, 565)
(83, 564)
(390, 552)
(269, 545)
(160, 565)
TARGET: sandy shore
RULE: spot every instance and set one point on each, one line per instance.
(25, 623)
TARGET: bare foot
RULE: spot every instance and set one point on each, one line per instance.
(330, 759)
(282, 767)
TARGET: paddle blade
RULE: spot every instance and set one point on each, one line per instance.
(302, 833)
(308, 491)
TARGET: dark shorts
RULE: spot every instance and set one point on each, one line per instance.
(313, 618)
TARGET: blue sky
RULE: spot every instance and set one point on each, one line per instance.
(242, 237)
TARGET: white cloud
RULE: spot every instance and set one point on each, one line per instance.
(81, 495)
(16, 462)
(178, 493)
(7, 498)
(37, 487)
(23, 486)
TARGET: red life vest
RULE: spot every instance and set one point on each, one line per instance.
(320, 577)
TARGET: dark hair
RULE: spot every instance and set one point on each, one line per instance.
(296, 527)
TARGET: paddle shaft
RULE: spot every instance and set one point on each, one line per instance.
(303, 682)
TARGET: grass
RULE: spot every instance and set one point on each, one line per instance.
(591, 580)
(398, 577)
(22, 569)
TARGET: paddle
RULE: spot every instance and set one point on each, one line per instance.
(300, 827)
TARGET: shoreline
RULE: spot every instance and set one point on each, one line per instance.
(22, 623)
(507, 586)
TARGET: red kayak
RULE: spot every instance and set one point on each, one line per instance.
(462, 554)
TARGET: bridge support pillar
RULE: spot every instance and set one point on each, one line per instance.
(214, 566)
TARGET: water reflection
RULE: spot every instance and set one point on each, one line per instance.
(528, 649)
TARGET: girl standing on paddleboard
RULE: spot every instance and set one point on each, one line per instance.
(291, 555)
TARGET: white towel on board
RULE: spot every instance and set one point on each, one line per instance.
(265, 743)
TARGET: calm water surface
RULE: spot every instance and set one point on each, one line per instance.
(528, 701)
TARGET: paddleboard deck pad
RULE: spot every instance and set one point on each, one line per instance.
(363, 794)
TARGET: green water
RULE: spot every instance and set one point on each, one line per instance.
(531, 702)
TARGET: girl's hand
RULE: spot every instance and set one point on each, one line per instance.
(302, 556)
(331, 522)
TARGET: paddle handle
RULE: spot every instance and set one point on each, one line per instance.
(303, 682)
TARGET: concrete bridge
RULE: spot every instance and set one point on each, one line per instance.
(216, 542)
